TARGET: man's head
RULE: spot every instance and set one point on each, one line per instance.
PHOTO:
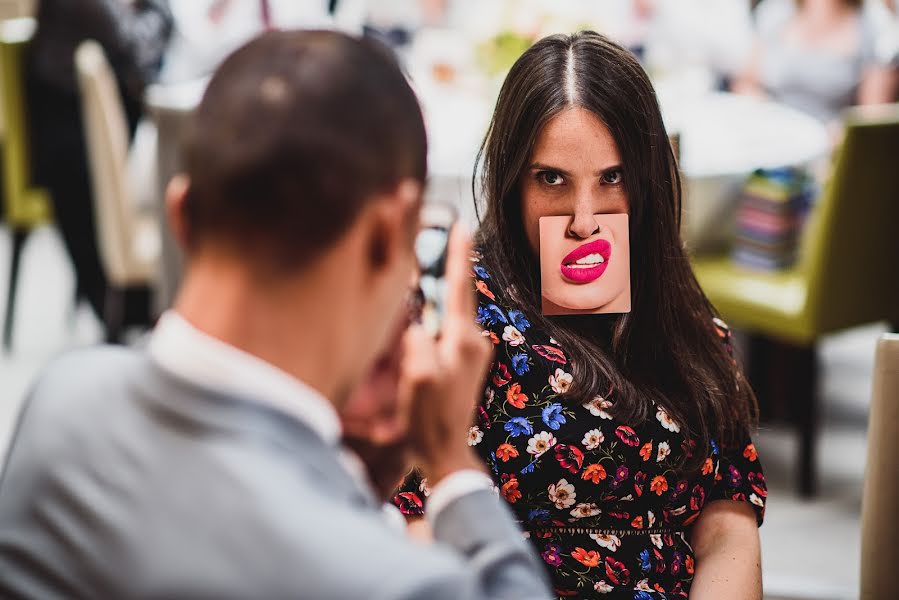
(305, 163)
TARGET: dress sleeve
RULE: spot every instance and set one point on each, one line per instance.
(412, 495)
(739, 475)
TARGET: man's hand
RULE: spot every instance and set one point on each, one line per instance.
(441, 380)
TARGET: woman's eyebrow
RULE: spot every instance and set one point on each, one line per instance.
(538, 166)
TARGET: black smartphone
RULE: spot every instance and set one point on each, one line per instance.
(437, 219)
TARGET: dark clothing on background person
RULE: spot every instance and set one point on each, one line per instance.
(134, 37)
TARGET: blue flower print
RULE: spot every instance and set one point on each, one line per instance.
(519, 320)
(520, 363)
(714, 448)
(490, 315)
(553, 417)
(481, 272)
(529, 468)
(538, 514)
(518, 426)
(646, 563)
(642, 596)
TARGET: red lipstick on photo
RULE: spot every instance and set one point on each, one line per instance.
(586, 263)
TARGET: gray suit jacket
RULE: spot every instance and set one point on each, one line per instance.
(126, 482)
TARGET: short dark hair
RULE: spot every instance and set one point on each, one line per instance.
(296, 131)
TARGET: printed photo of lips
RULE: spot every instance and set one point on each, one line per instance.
(585, 275)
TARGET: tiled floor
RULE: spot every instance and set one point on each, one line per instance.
(810, 548)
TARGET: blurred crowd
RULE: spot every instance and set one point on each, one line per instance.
(819, 56)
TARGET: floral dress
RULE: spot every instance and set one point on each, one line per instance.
(601, 500)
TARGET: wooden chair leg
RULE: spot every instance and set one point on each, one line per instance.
(114, 314)
(807, 406)
(18, 242)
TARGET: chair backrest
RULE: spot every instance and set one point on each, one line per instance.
(106, 135)
(880, 519)
(850, 249)
(21, 207)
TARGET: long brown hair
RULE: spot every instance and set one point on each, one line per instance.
(667, 350)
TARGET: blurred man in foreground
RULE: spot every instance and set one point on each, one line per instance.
(209, 465)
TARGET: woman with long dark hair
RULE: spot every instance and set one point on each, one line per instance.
(620, 441)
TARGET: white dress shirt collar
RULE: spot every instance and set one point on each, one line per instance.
(186, 352)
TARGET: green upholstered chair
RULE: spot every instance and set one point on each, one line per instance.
(25, 206)
(847, 273)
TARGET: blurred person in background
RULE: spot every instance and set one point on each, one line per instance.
(210, 464)
(133, 35)
(818, 56)
(206, 31)
(621, 441)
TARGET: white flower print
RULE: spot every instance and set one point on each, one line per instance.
(656, 539)
(424, 488)
(664, 450)
(679, 511)
(643, 586)
(598, 407)
(561, 381)
(650, 518)
(612, 542)
(584, 510)
(540, 443)
(489, 395)
(513, 336)
(562, 494)
(475, 435)
(666, 421)
(602, 587)
(756, 500)
(592, 439)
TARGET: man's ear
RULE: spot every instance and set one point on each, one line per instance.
(394, 221)
(176, 209)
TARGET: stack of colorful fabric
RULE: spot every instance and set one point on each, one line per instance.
(769, 219)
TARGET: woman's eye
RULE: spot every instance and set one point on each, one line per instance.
(550, 178)
(612, 177)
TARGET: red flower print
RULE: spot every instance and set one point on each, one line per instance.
(757, 481)
(515, 397)
(679, 489)
(689, 565)
(617, 572)
(551, 353)
(510, 491)
(749, 453)
(707, 466)
(637, 523)
(697, 498)
(594, 473)
(482, 287)
(627, 435)
(689, 520)
(659, 485)
(409, 503)
(506, 451)
(570, 457)
(484, 417)
(588, 559)
(501, 375)
(688, 446)
(639, 482)
(646, 451)
(493, 338)
(624, 516)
